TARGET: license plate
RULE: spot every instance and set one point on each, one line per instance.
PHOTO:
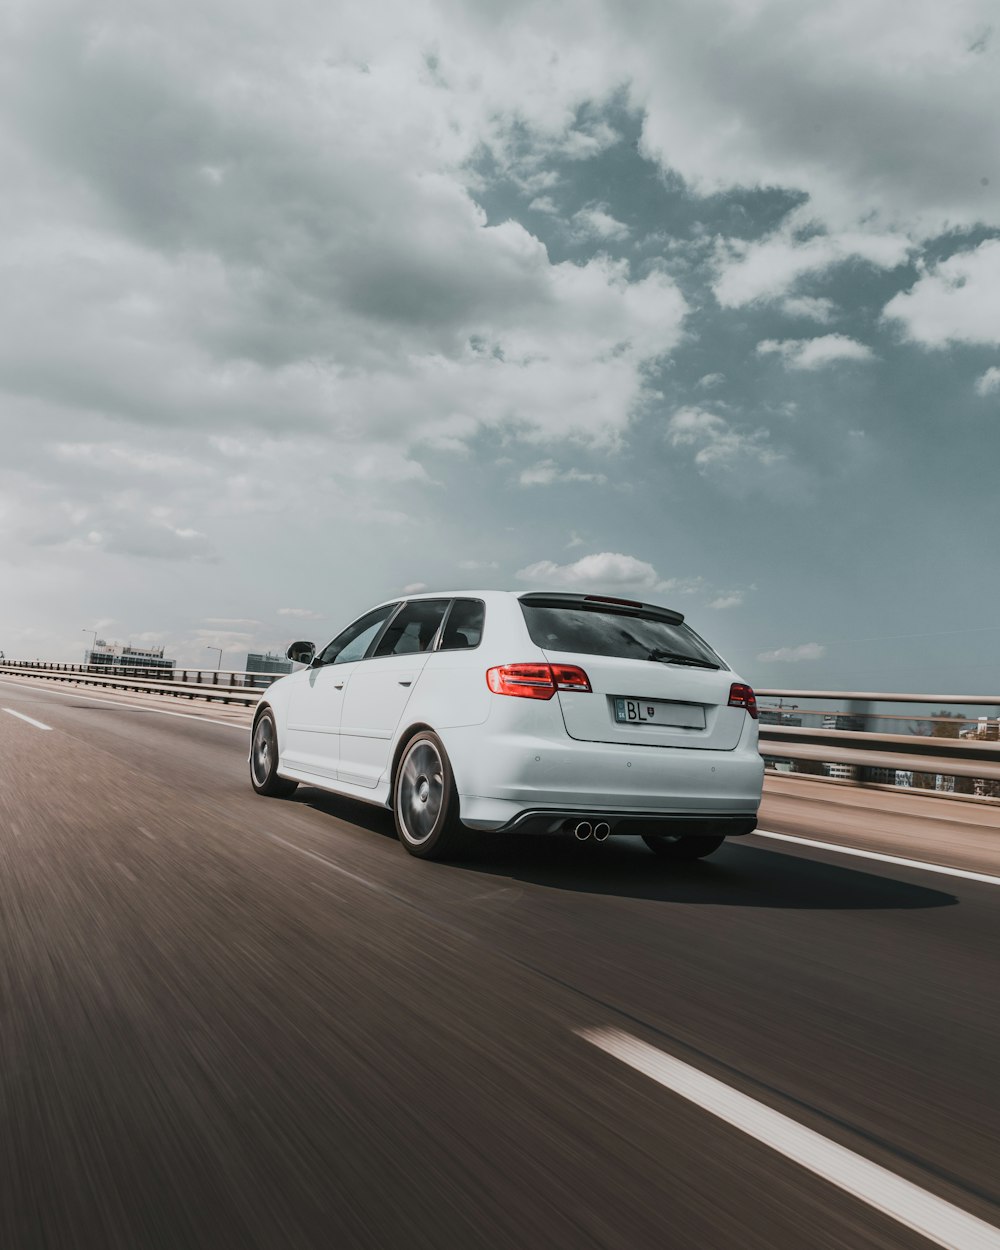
(659, 712)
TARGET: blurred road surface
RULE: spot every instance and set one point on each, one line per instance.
(231, 1021)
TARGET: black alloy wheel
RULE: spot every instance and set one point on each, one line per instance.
(264, 760)
(425, 801)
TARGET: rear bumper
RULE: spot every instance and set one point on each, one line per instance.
(536, 784)
(625, 823)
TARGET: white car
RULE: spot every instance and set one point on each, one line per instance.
(536, 713)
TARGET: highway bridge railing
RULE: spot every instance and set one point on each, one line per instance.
(857, 742)
(225, 686)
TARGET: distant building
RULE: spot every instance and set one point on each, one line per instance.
(778, 718)
(114, 655)
(846, 722)
(267, 663)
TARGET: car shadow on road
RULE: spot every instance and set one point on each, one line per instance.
(738, 875)
(347, 811)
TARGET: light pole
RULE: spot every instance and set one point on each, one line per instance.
(219, 649)
(93, 642)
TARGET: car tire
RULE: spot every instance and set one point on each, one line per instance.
(425, 801)
(264, 760)
(681, 848)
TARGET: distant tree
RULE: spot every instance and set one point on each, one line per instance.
(940, 725)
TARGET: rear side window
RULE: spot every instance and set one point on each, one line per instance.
(413, 628)
(631, 636)
(464, 627)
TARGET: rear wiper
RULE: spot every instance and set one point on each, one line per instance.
(676, 657)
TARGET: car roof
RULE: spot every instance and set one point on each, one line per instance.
(549, 597)
(448, 594)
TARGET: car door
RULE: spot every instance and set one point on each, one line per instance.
(380, 688)
(316, 704)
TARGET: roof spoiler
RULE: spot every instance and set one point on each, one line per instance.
(601, 603)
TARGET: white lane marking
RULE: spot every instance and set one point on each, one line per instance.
(21, 716)
(967, 873)
(135, 707)
(903, 1201)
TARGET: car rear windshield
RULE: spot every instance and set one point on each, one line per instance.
(628, 636)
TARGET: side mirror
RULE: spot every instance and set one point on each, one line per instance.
(301, 652)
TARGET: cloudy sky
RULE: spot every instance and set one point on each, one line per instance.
(698, 300)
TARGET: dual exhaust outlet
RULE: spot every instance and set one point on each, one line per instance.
(585, 829)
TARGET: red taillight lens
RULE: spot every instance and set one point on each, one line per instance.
(743, 696)
(536, 681)
(527, 681)
(570, 677)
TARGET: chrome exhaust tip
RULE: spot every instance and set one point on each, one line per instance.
(583, 831)
(602, 832)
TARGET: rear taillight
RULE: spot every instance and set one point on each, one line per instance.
(536, 681)
(743, 696)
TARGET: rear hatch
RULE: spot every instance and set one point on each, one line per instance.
(654, 682)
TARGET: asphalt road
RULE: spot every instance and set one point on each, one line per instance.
(232, 1021)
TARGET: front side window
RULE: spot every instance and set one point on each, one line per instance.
(465, 625)
(414, 628)
(357, 638)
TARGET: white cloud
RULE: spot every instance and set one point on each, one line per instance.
(305, 614)
(733, 599)
(126, 460)
(547, 472)
(721, 447)
(956, 301)
(595, 222)
(875, 109)
(793, 655)
(602, 570)
(750, 272)
(710, 380)
(231, 620)
(414, 588)
(989, 383)
(815, 353)
(225, 638)
(811, 307)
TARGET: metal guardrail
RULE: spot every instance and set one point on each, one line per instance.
(223, 691)
(862, 750)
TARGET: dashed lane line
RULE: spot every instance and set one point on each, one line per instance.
(932, 1217)
(30, 720)
(898, 860)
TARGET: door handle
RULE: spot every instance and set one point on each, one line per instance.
(405, 683)
(338, 685)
